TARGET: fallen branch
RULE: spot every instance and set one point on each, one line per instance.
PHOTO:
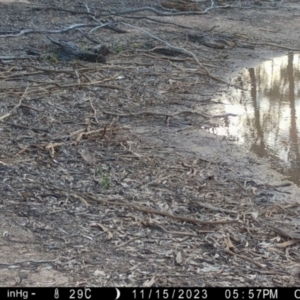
(214, 208)
(26, 127)
(159, 114)
(274, 45)
(243, 257)
(81, 134)
(144, 209)
(54, 31)
(183, 50)
(158, 21)
(73, 12)
(13, 57)
(162, 229)
(152, 113)
(71, 72)
(157, 12)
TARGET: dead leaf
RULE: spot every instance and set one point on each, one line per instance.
(286, 244)
(150, 282)
(99, 273)
(87, 157)
(229, 245)
(254, 191)
(254, 215)
(104, 229)
(179, 258)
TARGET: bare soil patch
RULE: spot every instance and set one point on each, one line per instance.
(108, 177)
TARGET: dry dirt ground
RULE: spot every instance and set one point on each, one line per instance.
(107, 175)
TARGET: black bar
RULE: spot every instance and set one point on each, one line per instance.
(149, 293)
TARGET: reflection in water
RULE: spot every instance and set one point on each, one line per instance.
(267, 122)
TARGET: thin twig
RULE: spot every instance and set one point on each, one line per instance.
(16, 106)
(152, 113)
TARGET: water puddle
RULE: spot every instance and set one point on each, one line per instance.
(268, 112)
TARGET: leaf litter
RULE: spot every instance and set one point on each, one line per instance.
(94, 182)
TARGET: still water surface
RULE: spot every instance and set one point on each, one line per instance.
(268, 121)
